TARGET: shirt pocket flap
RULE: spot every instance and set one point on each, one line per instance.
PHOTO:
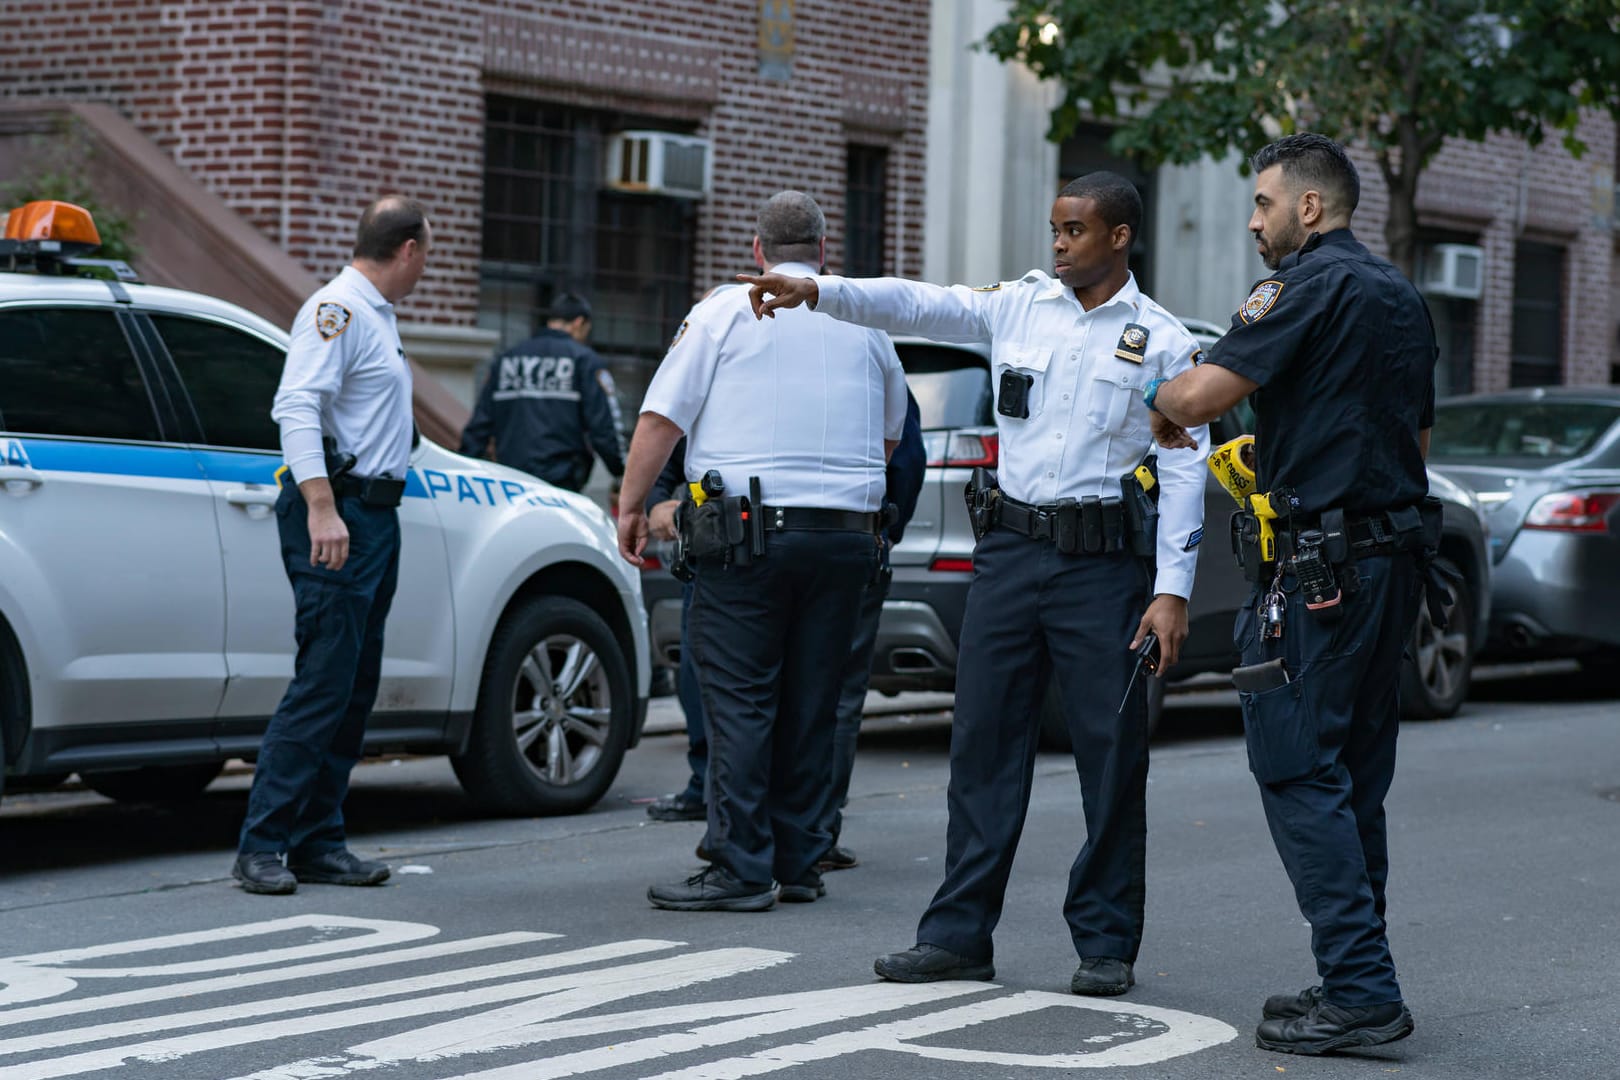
(1031, 358)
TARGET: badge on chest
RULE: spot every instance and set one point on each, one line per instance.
(1132, 344)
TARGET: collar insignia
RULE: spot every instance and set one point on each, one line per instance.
(1260, 301)
(1132, 344)
(331, 320)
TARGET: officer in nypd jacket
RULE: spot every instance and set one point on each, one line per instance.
(1085, 346)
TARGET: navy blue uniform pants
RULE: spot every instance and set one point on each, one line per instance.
(690, 693)
(1322, 748)
(852, 698)
(769, 640)
(318, 730)
(1033, 612)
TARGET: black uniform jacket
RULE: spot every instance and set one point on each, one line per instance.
(549, 401)
(1343, 348)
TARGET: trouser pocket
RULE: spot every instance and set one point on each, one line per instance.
(1280, 731)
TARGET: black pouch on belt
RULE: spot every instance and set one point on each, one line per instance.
(1246, 545)
(1066, 527)
(1091, 525)
(737, 521)
(706, 530)
(382, 491)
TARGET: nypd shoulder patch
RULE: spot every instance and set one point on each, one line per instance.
(604, 379)
(331, 320)
(1260, 301)
(1197, 357)
(1193, 539)
(676, 340)
(988, 288)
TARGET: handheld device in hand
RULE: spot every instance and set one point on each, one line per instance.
(1147, 659)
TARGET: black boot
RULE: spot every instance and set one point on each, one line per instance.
(929, 963)
(1329, 1027)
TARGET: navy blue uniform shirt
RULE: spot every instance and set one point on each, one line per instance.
(1343, 348)
(548, 402)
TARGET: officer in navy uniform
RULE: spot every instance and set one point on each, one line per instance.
(1055, 589)
(344, 407)
(904, 478)
(1337, 351)
(798, 419)
(548, 402)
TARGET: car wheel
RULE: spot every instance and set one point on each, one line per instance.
(154, 783)
(1055, 731)
(553, 715)
(1435, 678)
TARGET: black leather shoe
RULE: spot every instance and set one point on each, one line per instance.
(677, 808)
(837, 858)
(804, 891)
(262, 872)
(930, 963)
(1102, 976)
(1329, 1027)
(713, 889)
(703, 854)
(340, 867)
(1288, 1006)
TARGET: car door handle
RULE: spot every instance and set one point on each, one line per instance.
(19, 479)
(252, 496)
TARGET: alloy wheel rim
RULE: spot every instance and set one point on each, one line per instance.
(562, 709)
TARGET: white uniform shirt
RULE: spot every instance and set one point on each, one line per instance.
(347, 377)
(1087, 424)
(801, 401)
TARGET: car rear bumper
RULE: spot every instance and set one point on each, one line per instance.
(1554, 590)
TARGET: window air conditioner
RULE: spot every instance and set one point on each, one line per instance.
(658, 163)
(1454, 270)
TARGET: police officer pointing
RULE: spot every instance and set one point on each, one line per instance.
(1056, 586)
(1337, 351)
(795, 421)
(548, 402)
(344, 406)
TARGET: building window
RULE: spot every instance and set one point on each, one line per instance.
(866, 198)
(1538, 285)
(551, 226)
(1086, 151)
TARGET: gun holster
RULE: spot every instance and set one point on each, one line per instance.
(679, 566)
(1246, 546)
(1141, 514)
(1440, 579)
(983, 501)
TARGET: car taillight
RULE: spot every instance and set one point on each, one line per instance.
(650, 562)
(960, 448)
(1573, 511)
(956, 566)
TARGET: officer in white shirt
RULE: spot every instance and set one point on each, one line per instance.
(344, 406)
(797, 417)
(1056, 589)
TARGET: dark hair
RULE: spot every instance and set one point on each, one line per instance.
(1314, 161)
(386, 225)
(790, 228)
(569, 306)
(1118, 202)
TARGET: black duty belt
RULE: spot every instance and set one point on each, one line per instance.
(1089, 526)
(1370, 534)
(379, 491)
(812, 519)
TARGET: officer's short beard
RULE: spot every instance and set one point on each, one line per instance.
(1285, 243)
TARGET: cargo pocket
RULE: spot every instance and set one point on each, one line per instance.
(1280, 732)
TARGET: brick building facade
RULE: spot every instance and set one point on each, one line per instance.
(296, 114)
(1550, 306)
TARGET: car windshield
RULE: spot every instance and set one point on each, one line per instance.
(1543, 431)
(952, 386)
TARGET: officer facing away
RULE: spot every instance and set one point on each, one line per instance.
(1337, 351)
(548, 402)
(796, 419)
(1056, 588)
(346, 382)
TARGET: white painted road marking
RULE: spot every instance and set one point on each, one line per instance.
(521, 1012)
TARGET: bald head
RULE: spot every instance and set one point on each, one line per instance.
(387, 224)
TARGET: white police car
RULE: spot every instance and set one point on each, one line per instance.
(146, 624)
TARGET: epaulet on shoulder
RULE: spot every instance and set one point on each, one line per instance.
(1036, 277)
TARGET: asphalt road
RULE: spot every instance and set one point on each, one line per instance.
(526, 949)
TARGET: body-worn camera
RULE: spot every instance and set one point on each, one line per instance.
(1013, 398)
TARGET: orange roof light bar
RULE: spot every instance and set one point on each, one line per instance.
(52, 219)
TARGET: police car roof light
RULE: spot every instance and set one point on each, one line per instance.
(53, 221)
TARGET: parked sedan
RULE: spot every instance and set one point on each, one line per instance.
(1545, 464)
